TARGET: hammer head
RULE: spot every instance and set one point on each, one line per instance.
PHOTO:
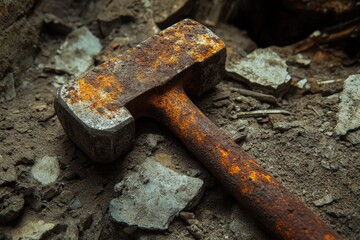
(92, 109)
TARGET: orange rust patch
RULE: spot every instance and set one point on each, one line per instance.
(329, 237)
(259, 176)
(101, 92)
(234, 169)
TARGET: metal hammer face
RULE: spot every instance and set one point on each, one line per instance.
(93, 108)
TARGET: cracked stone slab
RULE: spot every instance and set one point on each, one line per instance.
(348, 122)
(153, 195)
(76, 54)
(263, 69)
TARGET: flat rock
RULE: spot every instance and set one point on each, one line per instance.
(263, 69)
(349, 109)
(76, 54)
(11, 205)
(327, 199)
(46, 169)
(244, 227)
(153, 195)
(33, 229)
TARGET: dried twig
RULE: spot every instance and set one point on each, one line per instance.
(262, 113)
(260, 96)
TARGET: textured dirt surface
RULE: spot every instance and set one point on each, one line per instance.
(300, 150)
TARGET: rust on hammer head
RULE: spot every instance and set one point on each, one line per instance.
(95, 104)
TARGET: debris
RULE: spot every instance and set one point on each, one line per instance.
(11, 205)
(85, 222)
(75, 55)
(152, 141)
(353, 137)
(115, 48)
(235, 130)
(325, 200)
(7, 88)
(335, 33)
(7, 171)
(188, 217)
(244, 226)
(196, 231)
(170, 11)
(259, 96)
(263, 69)
(261, 113)
(281, 124)
(33, 229)
(72, 232)
(75, 203)
(349, 109)
(302, 60)
(57, 25)
(153, 195)
(46, 169)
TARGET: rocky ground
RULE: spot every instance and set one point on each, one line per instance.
(299, 119)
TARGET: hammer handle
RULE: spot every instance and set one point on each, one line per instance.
(277, 209)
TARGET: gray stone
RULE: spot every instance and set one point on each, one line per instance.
(10, 206)
(244, 227)
(152, 140)
(75, 203)
(33, 229)
(7, 88)
(325, 200)
(354, 137)
(152, 196)
(349, 109)
(46, 169)
(263, 68)
(76, 54)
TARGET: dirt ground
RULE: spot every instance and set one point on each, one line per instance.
(303, 153)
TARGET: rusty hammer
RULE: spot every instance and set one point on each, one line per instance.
(98, 110)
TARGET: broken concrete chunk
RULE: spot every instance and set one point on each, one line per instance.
(7, 88)
(76, 54)
(349, 108)
(327, 199)
(263, 69)
(33, 229)
(152, 196)
(46, 169)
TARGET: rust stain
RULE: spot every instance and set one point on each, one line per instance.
(234, 169)
(100, 92)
